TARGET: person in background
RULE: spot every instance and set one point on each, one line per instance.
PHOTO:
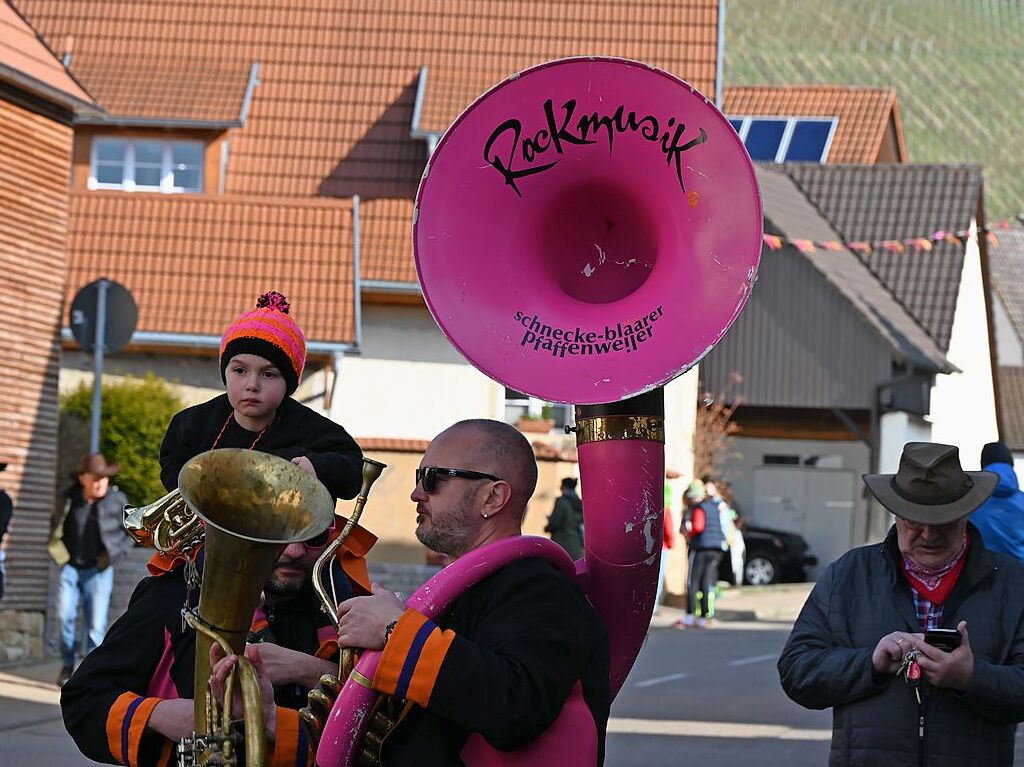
(728, 522)
(702, 526)
(734, 525)
(6, 512)
(1000, 520)
(566, 521)
(668, 540)
(86, 541)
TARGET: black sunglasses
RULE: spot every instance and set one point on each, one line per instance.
(429, 475)
(320, 540)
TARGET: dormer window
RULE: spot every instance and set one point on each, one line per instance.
(146, 165)
(786, 139)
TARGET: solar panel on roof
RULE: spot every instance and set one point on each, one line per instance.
(764, 137)
(782, 139)
(809, 141)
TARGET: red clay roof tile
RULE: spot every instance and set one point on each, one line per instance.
(24, 55)
(333, 112)
(193, 263)
(172, 90)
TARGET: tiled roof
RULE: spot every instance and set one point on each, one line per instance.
(884, 202)
(183, 90)
(789, 212)
(863, 114)
(194, 263)
(385, 240)
(334, 107)
(25, 59)
(1011, 400)
(481, 43)
(1006, 263)
(333, 111)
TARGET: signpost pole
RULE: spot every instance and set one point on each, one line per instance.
(98, 348)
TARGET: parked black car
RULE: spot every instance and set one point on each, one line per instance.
(772, 556)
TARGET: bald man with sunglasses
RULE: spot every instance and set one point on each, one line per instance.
(502, 662)
(131, 699)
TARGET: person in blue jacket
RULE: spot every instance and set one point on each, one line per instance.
(1000, 520)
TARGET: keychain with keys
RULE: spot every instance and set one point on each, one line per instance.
(910, 671)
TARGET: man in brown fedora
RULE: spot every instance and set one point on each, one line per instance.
(865, 646)
(86, 539)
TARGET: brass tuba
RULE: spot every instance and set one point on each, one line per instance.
(167, 525)
(321, 698)
(252, 505)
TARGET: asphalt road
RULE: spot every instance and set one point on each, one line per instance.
(698, 697)
(712, 697)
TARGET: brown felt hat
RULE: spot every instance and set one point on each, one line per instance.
(95, 463)
(930, 488)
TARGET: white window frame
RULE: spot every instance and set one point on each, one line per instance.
(128, 184)
(787, 133)
(534, 407)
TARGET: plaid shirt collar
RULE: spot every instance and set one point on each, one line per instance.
(929, 614)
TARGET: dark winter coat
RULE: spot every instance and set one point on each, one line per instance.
(566, 524)
(826, 662)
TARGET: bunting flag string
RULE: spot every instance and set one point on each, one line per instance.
(914, 244)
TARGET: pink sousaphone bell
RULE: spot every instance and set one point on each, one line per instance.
(585, 232)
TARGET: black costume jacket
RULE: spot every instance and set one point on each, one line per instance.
(297, 431)
(147, 657)
(501, 662)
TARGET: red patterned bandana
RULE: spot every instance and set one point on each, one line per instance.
(931, 577)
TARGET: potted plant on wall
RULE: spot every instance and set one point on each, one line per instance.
(542, 424)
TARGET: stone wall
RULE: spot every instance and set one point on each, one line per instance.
(21, 635)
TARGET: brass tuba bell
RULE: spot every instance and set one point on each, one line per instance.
(252, 505)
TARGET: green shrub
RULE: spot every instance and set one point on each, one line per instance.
(133, 418)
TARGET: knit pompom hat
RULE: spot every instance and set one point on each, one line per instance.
(268, 332)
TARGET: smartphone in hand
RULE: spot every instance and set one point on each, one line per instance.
(944, 639)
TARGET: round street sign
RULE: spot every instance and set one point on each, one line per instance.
(121, 315)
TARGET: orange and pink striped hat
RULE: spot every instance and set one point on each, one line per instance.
(268, 332)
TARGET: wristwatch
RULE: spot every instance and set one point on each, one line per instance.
(388, 629)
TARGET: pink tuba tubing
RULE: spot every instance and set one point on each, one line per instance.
(623, 531)
(346, 726)
(622, 470)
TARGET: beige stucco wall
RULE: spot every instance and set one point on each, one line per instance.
(391, 516)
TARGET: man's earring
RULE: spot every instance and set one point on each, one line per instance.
(483, 514)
